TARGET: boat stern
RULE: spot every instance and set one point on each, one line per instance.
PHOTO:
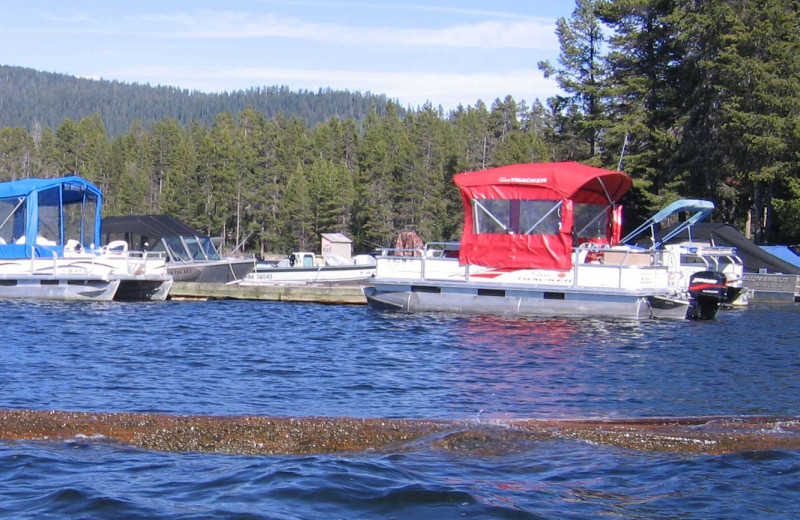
(668, 307)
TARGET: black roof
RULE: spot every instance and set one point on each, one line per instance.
(153, 226)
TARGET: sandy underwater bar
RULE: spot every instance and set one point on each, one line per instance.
(312, 435)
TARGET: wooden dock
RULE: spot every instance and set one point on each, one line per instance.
(308, 293)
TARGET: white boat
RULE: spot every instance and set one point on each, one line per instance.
(518, 255)
(695, 255)
(305, 267)
(190, 255)
(49, 231)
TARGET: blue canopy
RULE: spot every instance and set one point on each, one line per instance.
(39, 216)
(699, 208)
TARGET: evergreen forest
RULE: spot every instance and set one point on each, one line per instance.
(697, 99)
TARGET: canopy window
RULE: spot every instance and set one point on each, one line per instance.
(529, 217)
(49, 216)
(591, 221)
(12, 219)
(80, 214)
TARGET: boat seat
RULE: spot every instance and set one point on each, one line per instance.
(42, 241)
(627, 258)
(116, 248)
(72, 247)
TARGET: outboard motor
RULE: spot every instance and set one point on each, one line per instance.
(707, 291)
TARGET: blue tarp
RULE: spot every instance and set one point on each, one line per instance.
(784, 253)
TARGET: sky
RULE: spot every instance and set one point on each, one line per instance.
(445, 52)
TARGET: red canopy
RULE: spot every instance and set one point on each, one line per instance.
(570, 180)
(566, 182)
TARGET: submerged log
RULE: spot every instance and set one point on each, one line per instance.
(310, 435)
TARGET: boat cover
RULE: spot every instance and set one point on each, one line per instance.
(754, 257)
(565, 182)
(153, 226)
(41, 198)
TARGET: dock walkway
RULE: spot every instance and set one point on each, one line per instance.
(309, 293)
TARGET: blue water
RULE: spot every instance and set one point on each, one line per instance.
(272, 358)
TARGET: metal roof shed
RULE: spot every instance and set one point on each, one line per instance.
(336, 244)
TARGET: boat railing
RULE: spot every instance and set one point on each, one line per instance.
(431, 251)
(127, 262)
(626, 259)
(592, 265)
(145, 262)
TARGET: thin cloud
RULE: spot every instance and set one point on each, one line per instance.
(408, 7)
(522, 34)
(493, 31)
(69, 19)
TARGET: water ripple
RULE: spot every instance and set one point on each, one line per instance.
(271, 358)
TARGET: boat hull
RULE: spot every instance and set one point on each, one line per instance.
(471, 298)
(70, 288)
(139, 288)
(211, 271)
(317, 274)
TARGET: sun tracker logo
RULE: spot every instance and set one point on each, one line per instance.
(524, 180)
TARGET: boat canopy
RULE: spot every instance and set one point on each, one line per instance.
(699, 209)
(162, 233)
(39, 216)
(531, 215)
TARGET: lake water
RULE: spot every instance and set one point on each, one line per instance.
(283, 359)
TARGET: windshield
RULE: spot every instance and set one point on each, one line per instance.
(176, 249)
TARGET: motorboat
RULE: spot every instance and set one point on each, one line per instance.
(190, 255)
(531, 245)
(49, 247)
(336, 265)
(694, 255)
(305, 267)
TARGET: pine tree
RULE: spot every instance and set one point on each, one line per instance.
(17, 151)
(472, 138)
(757, 65)
(200, 200)
(92, 148)
(582, 74)
(422, 205)
(382, 157)
(129, 166)
(46, 162)
(297, 212)
(644, 79)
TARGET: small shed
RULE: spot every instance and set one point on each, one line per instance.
(336, 244)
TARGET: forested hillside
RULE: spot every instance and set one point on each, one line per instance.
(703, 97)
(30, 99)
